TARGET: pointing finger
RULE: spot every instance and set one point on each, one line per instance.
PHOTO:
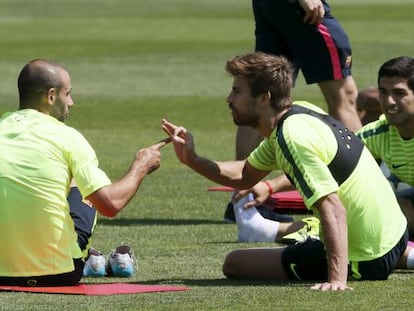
(162, 143)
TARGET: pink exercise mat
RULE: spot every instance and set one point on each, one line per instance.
(95, 289)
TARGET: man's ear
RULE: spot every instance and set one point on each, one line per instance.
(51, 95)
(266, 97)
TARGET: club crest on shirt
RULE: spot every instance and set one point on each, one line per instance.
(348, 61)
(87, 203)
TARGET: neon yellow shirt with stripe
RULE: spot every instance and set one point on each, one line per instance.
(385, 143)
(39, 156)
(374, 218)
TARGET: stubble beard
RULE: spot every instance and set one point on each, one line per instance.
(249, 120)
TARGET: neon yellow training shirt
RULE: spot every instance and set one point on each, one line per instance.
(39, 155)
(374, 218)
(385, 143)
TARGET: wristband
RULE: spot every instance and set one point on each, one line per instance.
(269, 187)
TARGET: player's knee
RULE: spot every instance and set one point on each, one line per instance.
(231, 265)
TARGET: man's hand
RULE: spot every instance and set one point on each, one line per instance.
(182, 140)
(260, 192)
(314, 11)
(331, 286)
(150, 158)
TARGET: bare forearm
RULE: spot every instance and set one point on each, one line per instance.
(280, 183)
(337, 255)
(333, 218)
(228, 173)
(110, 200)
(237, 174)
(122, 191)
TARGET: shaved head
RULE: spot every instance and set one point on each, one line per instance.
(36, 78)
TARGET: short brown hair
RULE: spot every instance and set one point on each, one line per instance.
(265, 73)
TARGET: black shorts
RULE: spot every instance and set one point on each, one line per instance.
(307, 261)
(63, 279)
(322, 52)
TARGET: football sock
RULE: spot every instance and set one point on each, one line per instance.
(252, 226)
(410, 259)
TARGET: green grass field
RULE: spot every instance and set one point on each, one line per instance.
(134, 62)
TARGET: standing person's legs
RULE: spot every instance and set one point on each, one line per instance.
(340, 96)
(335, 80)
(322, 52)
(267, 40)
(247, 139)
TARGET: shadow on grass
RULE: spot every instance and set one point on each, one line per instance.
(222, 282)
(400, 271)
(158, 221)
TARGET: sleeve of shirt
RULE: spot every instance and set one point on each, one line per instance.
(264, 156)
(306, 148)
(370, 134)
(84, 165)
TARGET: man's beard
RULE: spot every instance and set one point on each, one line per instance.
(246, 120)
